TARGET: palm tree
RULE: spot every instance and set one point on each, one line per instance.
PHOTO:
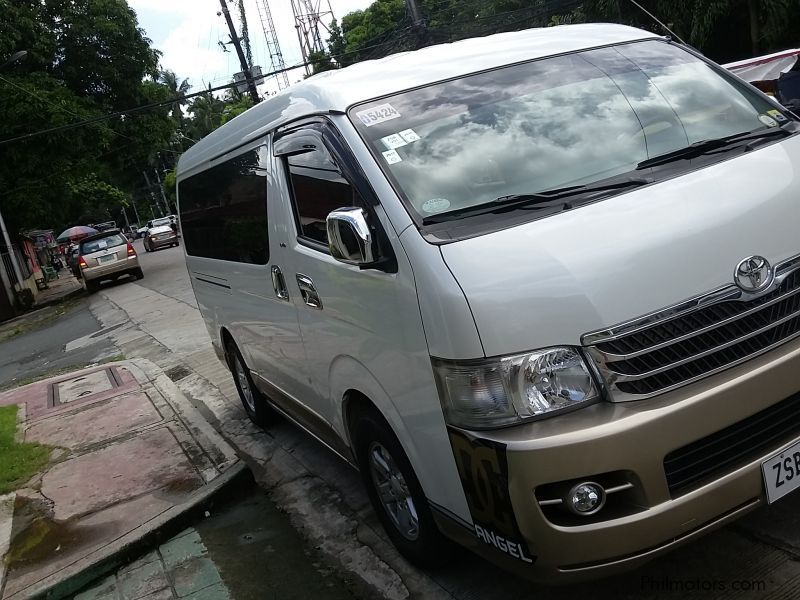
(177, 90)
(207, 111)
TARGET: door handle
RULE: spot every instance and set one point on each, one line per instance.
(308, 291)
(279, 283)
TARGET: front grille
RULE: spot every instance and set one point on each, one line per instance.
(712, 456)
(675, 351)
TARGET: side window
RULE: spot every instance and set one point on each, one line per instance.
(318, 188)
(224, 211)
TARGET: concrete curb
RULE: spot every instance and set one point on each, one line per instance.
(6, 519)
(140, 540)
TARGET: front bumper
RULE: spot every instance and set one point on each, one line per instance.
(633, 439)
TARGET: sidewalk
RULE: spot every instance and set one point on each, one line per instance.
(131, 456)
(58, 290)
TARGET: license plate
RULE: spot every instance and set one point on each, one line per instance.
(106, 258)
(782, 473)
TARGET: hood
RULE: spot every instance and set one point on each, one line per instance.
(160, 229)
(548, 282)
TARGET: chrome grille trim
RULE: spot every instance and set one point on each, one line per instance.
(697, 344)
(723, 294)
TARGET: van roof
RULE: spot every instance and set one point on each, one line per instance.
(339, 89)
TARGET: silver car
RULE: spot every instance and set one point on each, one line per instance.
(105, 256)
(160, 237)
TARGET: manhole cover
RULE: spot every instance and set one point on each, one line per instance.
(78, 388)
(177, 373)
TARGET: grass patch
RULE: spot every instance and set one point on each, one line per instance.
(19, 461)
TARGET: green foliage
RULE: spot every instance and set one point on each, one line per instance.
(18, 461)
(171, 187)
(235, 107)
(207, 112)
(723, 29)
(320, 61)
(85, 59)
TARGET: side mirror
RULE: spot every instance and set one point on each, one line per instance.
(349, 236)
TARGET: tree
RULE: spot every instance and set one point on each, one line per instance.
(207, 111)
(320, 61)
(171, 187)
(177, 89)
(85, 59)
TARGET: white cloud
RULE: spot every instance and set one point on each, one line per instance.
(188, 33)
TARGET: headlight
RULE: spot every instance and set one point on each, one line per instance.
(507, 390)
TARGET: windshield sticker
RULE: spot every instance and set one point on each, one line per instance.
(409, 135)
(435, 205)
(392, 157)
(378, 114)
(774, 113)
(767, 120)
(393, 141)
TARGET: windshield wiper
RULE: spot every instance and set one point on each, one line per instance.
(540, 200)
(706, 146)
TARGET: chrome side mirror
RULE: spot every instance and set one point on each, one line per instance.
(349, 236)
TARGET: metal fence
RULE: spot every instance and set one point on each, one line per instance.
(22, 261)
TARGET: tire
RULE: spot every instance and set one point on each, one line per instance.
(419, 541)
(254, 403)
(146, 247)
(138, 273)
(92, 286)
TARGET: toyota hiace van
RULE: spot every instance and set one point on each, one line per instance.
(541, 288)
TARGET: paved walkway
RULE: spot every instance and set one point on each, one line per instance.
(58, 289)
(130, 454)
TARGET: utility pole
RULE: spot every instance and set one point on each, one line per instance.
(251, 85)
(161, 189)
(11, 255)
(413, 9)
(417, 22)
(152, 195)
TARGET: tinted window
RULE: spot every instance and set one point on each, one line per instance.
(224, 211)
(319, 188)
(102, 243)
(557, 122)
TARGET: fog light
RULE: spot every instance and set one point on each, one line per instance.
(586, 498)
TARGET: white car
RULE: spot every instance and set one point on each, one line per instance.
(541, 288)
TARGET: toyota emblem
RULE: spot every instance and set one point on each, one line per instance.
(753, 274)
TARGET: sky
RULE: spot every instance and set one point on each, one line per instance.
(188, 32)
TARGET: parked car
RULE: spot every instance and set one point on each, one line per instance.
(141, 231)
(160, 237)
(539, 287)
(105, 256)
(72, 260)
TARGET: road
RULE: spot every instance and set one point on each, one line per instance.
(757, 557)
(40, 350)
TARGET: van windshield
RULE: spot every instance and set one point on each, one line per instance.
(551, 124)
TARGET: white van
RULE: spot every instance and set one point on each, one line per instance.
(542, 288)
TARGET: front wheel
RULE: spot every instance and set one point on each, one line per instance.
(255, 405)
(397, 496)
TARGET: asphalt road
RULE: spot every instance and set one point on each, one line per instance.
(41, 351)
(756, 557)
